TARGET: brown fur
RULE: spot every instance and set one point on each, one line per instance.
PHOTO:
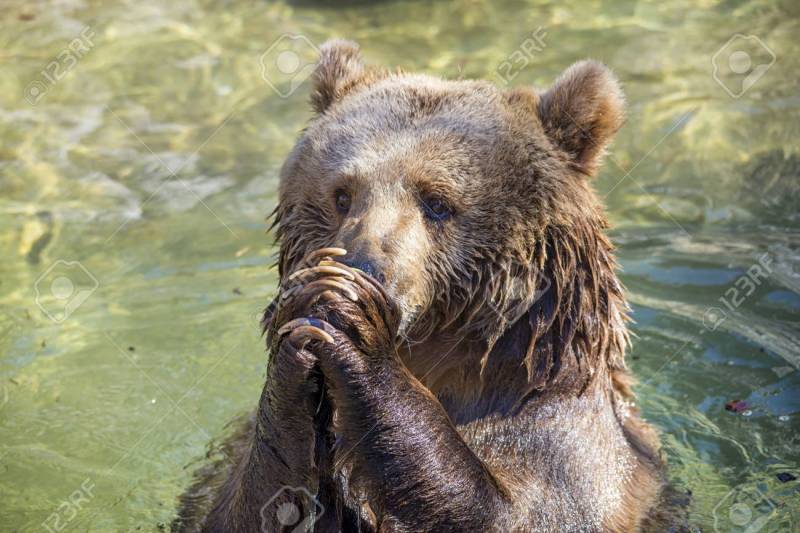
(483, 386)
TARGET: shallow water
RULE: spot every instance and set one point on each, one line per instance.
(136, 174)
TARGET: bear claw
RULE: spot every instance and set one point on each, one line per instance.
(322, 269)
(347, 291)
(314, 256)
(305, 328)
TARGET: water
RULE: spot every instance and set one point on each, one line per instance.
(150, 158)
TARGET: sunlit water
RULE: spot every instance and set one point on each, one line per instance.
(136, 174)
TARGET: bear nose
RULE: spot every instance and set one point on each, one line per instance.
(365, 265)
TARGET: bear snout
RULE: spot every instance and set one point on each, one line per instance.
(365, 264)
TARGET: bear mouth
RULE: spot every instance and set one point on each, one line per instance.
(408, 318)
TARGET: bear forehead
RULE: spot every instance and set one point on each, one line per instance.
(468, 108)
(413, 124)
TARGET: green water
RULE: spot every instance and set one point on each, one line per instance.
(136, 175)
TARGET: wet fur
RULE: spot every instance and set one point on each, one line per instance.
(508, 406)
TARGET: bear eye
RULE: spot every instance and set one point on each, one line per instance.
(342, 201)
(436, 209)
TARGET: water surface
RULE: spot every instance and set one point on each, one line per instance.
(136, 175)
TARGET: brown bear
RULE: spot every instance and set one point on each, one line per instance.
(448, 339)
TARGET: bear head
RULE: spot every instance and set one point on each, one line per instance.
(471, 204)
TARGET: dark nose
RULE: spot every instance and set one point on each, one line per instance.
(365, 265)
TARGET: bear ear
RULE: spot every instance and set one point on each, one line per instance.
(339, 69)
(582, 111)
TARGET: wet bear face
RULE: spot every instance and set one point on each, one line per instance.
(443, 190)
